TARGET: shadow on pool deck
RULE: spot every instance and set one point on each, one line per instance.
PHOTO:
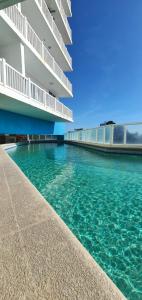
(39, 256)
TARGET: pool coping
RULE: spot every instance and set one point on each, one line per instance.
(40, 257)
(115, 148)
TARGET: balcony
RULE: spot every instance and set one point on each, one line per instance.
(57, 10)
(20, 95)
(6, 3)
(47, 31)
(39, 62)
(67, 7)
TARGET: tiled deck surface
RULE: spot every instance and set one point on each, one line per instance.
(39, 257)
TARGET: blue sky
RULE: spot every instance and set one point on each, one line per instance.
(107, 61)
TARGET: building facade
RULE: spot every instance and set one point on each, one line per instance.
(33, 62)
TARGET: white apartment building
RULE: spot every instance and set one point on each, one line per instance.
(33, 59)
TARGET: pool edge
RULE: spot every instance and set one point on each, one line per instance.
(81, 275)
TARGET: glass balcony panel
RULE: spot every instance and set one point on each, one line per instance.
(118, 135)
(100, 135)
(134, 134)
(93, 136)
(108, 134)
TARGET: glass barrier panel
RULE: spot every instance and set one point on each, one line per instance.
(73, 136)
(118, 135)
(134, 134)
(79, 136)
(93, 135)
(100, 138)
(87, 136)
(108, 130)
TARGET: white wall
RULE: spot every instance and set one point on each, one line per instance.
(14, 55)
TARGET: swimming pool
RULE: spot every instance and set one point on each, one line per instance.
(99, 196)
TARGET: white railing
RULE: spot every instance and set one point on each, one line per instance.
(29, 34)
(113, 135)
(1, 73)
(37, 93)
(67, 111)
(48, 59)
(11, 78)
(46, 12)
(17, 18)
(33, 39)
(62, 12)
(54, 28)
(50, 102)
(15, 80)
(59, 106)
(69, 4)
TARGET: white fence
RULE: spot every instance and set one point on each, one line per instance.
(14, 80)
(29, 34)
(33, 39)
(1, 71)
(125, 134)
(17, 18)
(69, 4)
(37, 138)
(54, 28)
(62, 12)
(11, 78)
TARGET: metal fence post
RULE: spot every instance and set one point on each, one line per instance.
(112, 131)
(125, 134)
(29, 87)
(4, 71)
(26, 31)
(96, 135)
(42, 54)
(104, 134)
(44, 98)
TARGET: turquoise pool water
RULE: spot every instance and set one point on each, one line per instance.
(99, 196)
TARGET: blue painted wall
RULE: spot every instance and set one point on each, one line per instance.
(12, 123)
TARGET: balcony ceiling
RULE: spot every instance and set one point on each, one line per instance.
(6, 3)
(15, 105)
(52, 5)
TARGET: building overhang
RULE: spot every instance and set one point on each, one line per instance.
(6, 3)
(19, 105)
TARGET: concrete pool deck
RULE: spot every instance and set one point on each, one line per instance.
(39, 256)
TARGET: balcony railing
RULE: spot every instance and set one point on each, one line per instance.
(117, 135)
(69, 4)
(64, 17)
(11, 78)
(44, 9)
(67, 7)
(23, 26)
